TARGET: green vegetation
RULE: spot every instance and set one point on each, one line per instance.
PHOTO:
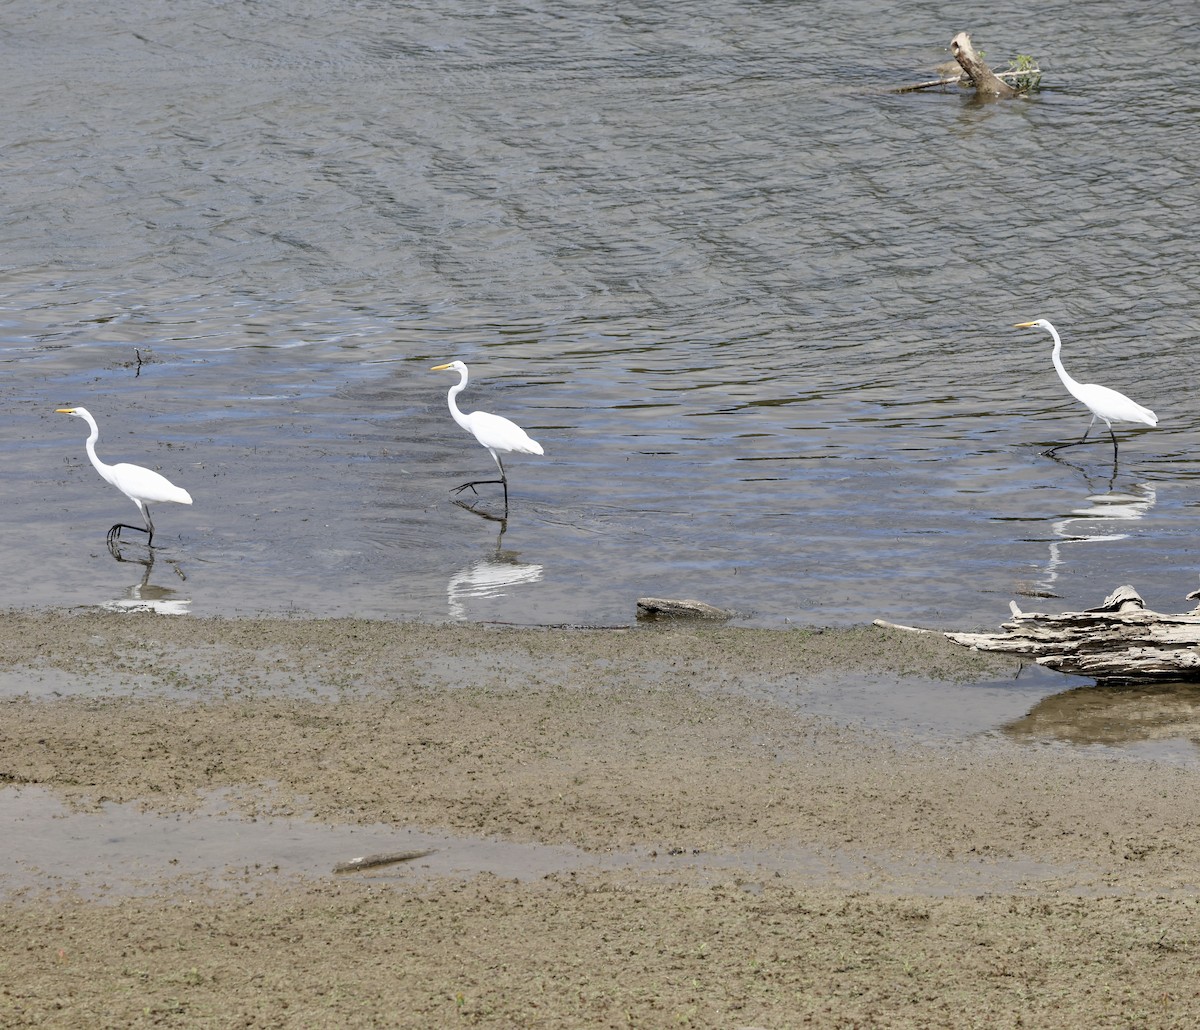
(1030, 78)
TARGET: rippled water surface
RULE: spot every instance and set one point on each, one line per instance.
(756, 309)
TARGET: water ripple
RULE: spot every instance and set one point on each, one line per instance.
(758, 311)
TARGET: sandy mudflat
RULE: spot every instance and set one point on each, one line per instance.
(652, 827)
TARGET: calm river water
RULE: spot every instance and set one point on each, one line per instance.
(756, 309)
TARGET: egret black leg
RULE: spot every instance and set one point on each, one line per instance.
(503, 481)
(1082, 439)
(474, 483)
(115, 532)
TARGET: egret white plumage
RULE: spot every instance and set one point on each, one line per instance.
(1104, 404)
(496, 433)
(140, 485)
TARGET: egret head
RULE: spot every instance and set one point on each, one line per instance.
(1040, 323)
(77, 412)
(457, 366)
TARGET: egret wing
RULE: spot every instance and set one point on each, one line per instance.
(501, 434)
(147, 486)
(1113, 406)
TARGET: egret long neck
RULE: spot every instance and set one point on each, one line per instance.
(101, 467)
(1056, 357)
(451, 400)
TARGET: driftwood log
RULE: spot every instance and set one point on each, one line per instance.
(969, 69)
(1121, 641)
(979, 73)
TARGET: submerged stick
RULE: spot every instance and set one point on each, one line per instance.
(357, 865)
(961, 79)
(884, 624)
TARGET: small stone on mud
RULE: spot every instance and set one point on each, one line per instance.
(660, 607)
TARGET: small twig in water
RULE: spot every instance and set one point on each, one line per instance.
(357, 865)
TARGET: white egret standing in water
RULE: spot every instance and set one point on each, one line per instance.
(496, 433)
(1104, 404)
(139, 484)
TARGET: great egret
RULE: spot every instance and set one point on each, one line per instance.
(140, 485)
(494, 432)
(1104, 404)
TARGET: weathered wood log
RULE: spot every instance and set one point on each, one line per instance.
(662, 607)
(986, 80)
(969, 69)
(1119, 641)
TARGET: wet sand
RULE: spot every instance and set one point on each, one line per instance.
(646, 827)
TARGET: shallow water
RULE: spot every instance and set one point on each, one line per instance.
(130, 851)
(757, 310)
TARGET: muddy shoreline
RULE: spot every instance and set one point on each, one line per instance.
(734, 857)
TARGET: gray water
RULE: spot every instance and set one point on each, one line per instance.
(756, 309)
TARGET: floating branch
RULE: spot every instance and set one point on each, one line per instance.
(969, 70)
(1120, 641)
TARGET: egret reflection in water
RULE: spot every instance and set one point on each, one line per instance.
(144, 596)
(1093, 525)
(489, 577)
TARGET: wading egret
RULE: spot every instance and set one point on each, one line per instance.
(1104, 404)
(138, 484)
(494, 432)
